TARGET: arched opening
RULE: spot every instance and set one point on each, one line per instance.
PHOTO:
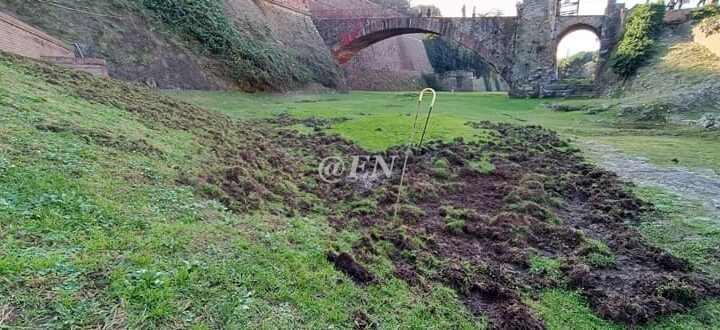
(384, 60)
(458, 68)
(577, 54)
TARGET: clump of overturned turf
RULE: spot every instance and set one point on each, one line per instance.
(345, 263)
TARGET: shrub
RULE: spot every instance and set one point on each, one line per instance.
(705, 12)
(575, 66)
(643, 27)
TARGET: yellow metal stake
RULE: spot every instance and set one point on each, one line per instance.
(408, 151)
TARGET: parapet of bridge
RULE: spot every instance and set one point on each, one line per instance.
(19, 38)
(522, 49)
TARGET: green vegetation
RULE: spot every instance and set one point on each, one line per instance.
(644, 25)
(483, 165)
(705, 12)
(546, 267)
(252, 62)
(380, 120)
(598, 254)
(709, 17)
(562, 309)
(98, 228)
(684, 227)
(576, 66)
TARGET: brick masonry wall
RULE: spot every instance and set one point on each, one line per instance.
(302, 6)
(19, 38)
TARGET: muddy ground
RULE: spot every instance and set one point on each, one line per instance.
(484, 230)
(479, 231)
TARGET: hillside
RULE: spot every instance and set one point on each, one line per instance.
(680, 82)
(147, 47)
(121, 208)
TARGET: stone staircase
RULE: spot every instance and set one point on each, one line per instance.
(19, 38)
(561, 89)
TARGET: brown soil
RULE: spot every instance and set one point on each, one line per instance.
(476, 232)
(347, 264)
(540, 200)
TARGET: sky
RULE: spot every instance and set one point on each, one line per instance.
(571, 44)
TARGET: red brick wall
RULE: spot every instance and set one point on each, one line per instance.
(302, 6)
(22, 39)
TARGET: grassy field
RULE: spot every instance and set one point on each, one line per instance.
(379, 120)
(98, 229)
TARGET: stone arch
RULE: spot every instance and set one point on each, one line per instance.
(350, 49)
(491, 37)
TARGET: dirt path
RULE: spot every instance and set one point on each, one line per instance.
(700, 185)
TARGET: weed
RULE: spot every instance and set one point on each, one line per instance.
(546, 267)
(679, 292)
(455, 226)
(482, 166)
(597, 253)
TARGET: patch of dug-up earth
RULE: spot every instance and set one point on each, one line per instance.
(699, 185)
(478, 230)
(475, 215)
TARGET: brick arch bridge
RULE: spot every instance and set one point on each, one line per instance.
(522, 49)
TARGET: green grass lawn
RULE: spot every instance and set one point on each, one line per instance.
(379, 120)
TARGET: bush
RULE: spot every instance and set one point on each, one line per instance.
(575, 66)
(644, 25)
(705, 12)
(255, 64)
(710, 19)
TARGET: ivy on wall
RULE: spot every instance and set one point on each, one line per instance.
(255, 63)
(644, 25)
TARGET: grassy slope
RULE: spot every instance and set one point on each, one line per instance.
(679, 68)
(94, 232)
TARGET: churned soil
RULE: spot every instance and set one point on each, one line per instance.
(478, 231)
